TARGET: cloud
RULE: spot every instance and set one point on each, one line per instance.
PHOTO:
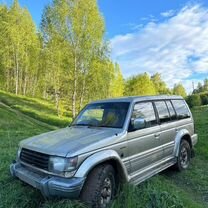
(177, 47)
(133, 26)
(169, 13)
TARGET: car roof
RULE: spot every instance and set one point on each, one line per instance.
(139, 98)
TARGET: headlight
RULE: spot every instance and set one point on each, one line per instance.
(60, 165)
(18, 153)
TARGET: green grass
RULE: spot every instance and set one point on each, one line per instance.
(169, 189)
(39, 109)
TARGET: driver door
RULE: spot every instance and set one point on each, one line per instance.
(143, 143)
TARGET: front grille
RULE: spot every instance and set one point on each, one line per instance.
(33, 158)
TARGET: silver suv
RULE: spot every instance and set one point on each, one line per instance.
(111, 141)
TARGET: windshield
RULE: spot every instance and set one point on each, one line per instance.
(110, 115)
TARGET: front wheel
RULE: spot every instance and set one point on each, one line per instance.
(100, 187)
(184, 156)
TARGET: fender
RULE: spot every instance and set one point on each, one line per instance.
(98, 158)
(178, 138)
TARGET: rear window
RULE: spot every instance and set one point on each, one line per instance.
(162, 111)
(181, 109)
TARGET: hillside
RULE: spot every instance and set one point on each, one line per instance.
(22, 117)
(39, 109)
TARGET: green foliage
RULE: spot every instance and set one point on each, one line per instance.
(140, 85)
(201, 87)
(193, 100)
(65, 62)
(68, 60)
(160, 85)
(178, 89)
(19, 49)
(117, 82)
(204, 98)
(197, 99)
(73, 42)
(199, 95)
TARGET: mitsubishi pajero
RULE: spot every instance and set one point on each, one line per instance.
(110, 142)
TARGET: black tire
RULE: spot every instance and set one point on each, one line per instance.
(100, 187)
(184, 156)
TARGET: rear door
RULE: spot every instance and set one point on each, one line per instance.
(167, 118)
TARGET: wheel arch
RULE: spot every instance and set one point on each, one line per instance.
(182, 135)
(103, 157)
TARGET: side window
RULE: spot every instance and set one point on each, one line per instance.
(162, 111)
(181, 109)
(145, 111)
(171, 110)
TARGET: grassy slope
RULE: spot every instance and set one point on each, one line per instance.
(168, 189)
(41, 110)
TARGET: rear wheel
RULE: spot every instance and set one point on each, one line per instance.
(100, 188)
(184, 156)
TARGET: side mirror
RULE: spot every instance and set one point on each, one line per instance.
(138, 123)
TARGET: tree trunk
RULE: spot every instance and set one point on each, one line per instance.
(20, 87)
(57, 98)
(8, 80)
(17, 74)
(82, 93)
(25, 76)
(34, 86)
(25, 85)
(74, 92)
(44, 90)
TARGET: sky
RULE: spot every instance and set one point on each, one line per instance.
(169, 37)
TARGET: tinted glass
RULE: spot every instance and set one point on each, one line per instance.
(162, 111)
(110, 115)
(181, 109)
(171, 110)
(145, 111)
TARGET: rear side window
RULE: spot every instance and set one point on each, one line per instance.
(163, 112)
(171, 110)
(181, 109)
(146, 111)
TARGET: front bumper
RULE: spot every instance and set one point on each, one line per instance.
(50, 186)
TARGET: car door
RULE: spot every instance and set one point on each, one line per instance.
(143, 143)
(167, 116)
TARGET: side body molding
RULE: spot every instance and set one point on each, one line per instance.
(101, 157)
(178, 138)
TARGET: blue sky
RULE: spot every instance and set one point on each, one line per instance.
(120, 15)
(165, 36)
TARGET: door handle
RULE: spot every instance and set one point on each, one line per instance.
(124, 147)
(157, 135)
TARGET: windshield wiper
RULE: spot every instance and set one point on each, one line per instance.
(90, 125)
(109, 126)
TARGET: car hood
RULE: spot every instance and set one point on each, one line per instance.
(71, 140)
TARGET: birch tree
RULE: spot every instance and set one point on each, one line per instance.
(80, 24)
(20, 42)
